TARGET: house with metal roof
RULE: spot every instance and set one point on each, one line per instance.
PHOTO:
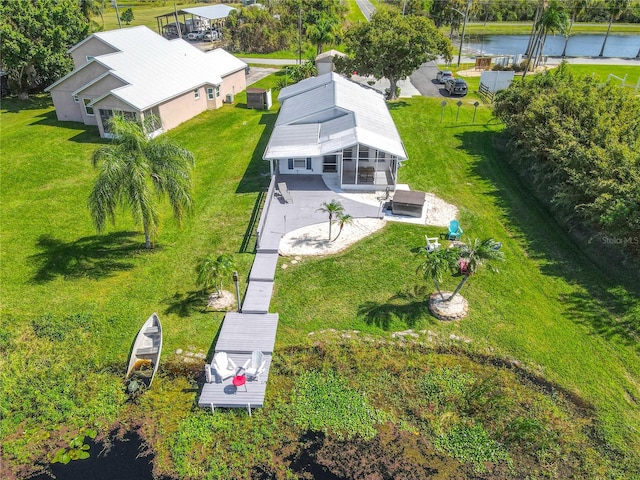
(331, 126)
(140, 74)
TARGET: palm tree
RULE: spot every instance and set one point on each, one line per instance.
(344, 219)
(323, 29)
(577, 7)
(91, 8)
(213, 270)
(477, 254)
(135, 171)
(532, 35)
(334, 209)
(616, 8)
(553, 19)
(436, 263)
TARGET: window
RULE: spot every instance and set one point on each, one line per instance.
(76, 98)
(347, 154)
(330, 164)
(196, 93)
(87, 109)
(210, 93)
(363, 155)
(106, 116)
(152, 119)
(89, 58)
(218, 91)
(304, 163)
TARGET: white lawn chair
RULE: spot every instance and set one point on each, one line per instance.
(223, 365)
(432, 243)
(255, 365)
(285, 193)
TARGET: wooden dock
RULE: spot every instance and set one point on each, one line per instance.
(240, 335)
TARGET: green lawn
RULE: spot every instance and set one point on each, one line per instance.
(143, 14)
(72, 301)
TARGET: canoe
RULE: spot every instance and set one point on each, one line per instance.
(145, 354)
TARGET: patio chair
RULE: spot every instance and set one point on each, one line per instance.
(455, 232)
(432, 243)
(255, 365)
(285, 193)
(223, 365)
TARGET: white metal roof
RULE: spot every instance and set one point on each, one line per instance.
(156, 69)
(324, 114)
(211, 12)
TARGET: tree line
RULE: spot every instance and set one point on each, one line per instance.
(576, 142)
(449, 12)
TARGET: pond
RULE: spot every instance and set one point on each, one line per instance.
(122, 461)
(624, 46)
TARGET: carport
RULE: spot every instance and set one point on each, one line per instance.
(213, 15)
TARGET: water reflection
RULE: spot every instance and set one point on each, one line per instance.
(625, 46)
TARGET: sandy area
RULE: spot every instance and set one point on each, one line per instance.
(314, 239)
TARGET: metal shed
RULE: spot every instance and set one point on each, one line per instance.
(259, 98)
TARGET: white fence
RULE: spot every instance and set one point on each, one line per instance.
(493, 81)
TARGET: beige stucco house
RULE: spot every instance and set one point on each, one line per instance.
(139, 73)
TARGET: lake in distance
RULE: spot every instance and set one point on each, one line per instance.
(622, 46)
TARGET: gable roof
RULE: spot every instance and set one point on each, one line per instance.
(156, 69)
(323, 114)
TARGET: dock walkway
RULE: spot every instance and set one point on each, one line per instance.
(255, 328)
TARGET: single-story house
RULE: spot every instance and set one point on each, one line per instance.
(331, 126)
(138, 73)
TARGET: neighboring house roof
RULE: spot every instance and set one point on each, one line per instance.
(329, 55)
(156, 69)
(324, 114)
(211, 12)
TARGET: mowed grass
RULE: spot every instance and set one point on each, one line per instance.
(143, 14)
(551, 308)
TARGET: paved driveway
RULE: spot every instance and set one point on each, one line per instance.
(258, 73)
(424, 80)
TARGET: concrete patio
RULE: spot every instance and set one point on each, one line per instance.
(309, 192)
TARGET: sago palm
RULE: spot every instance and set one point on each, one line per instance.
(135, 172)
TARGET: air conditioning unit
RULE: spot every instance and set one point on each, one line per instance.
(229, 98)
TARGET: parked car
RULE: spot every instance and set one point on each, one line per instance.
(195, 35)
(443, 75)
(211, 36)
(456, 86)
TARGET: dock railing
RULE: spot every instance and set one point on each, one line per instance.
(265, 210)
